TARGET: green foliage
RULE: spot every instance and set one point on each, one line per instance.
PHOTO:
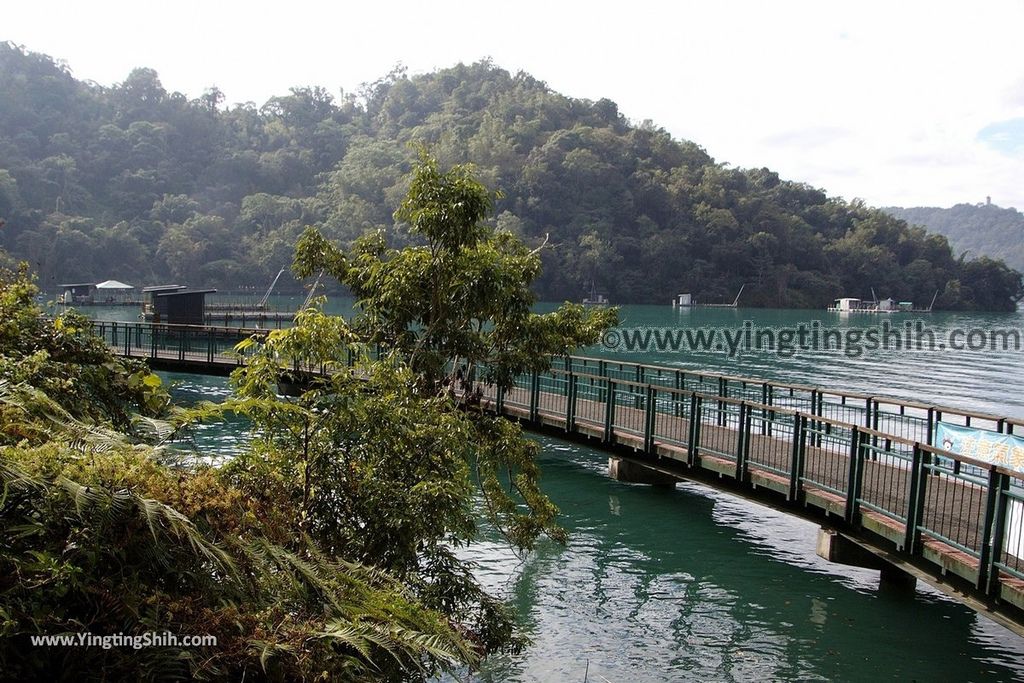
(446, 208)
(103, 534)
(459, 303)
(329, 549)
(978, 230)
(135, 182)
(458, 311)
(380, 459)
(110, 551)
(59, 357)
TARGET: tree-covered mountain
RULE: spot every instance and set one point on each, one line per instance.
(135, 183)
(977, 229)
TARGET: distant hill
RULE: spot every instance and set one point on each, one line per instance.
(978, 229)
(135, 183)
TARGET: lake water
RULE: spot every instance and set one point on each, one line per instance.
(693, 584)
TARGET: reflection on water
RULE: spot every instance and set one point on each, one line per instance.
(696, 585)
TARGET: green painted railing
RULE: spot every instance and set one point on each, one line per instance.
(868, 460)
(921, 492)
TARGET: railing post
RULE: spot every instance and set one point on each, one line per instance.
(499, 401)
(570, 404)
(649, 416)
(534, 395)
(765, 424)
(874, 420)
(796, 457)
(987, 554)
(929, 438)
(915, 500)
(854, 476)
(209, 346)
(696, 408)
(609, 410)
(723, 390)
(814, 413)
(678, 383)
(742, 441)
(113, 334)
(998, 536)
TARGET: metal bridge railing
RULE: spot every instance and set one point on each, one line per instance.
(865, 456)
(869, 456)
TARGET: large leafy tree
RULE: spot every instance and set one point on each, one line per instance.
(381, 458)
(459, 301)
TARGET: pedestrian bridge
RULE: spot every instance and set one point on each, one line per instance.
(862, 466)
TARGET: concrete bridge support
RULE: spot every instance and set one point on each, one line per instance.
(835, 547)
(633, 472)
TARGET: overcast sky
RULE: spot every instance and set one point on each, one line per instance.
(898, 103)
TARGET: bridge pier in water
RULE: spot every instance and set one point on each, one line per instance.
(835, 547)
(632, 472)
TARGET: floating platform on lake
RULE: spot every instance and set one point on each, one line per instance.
(687, 301)
(118, 302)
(242, 316)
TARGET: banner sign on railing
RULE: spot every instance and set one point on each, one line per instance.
(1004, 450)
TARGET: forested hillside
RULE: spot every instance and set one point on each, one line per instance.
(135, 183)
(978, 229)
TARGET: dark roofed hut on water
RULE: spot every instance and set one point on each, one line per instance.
(176, 305)
(77, 293)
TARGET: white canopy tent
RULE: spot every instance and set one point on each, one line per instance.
(114, 292)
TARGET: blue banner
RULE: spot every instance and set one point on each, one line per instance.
(1004, 450)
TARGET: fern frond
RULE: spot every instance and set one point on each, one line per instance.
(162, 518)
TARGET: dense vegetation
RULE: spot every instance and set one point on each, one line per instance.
(977, 229)
(135, 183)
(328, 549)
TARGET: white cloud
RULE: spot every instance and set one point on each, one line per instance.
(905, 86)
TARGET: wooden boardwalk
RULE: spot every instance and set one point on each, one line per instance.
(825, 468)
(943, 517)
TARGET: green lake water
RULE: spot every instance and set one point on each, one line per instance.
(693, 584)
